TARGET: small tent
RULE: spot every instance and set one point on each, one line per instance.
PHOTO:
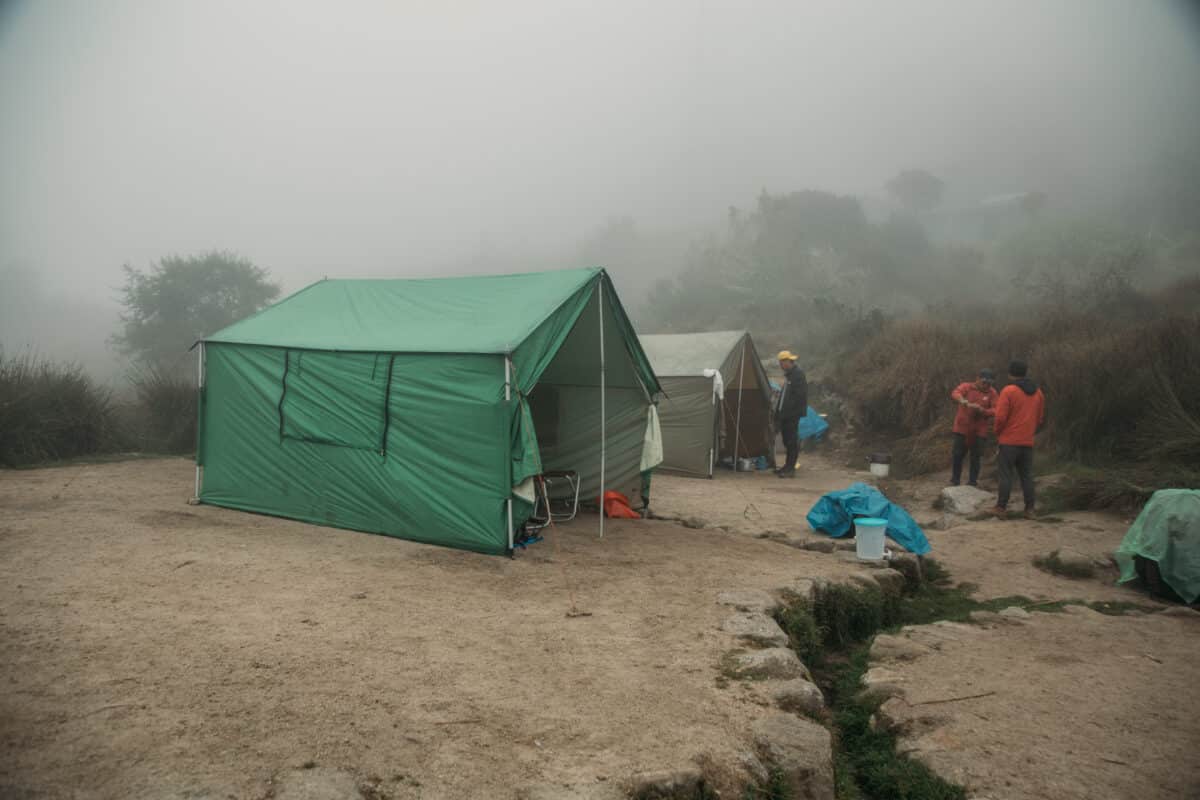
(718, 399)
(423, 409)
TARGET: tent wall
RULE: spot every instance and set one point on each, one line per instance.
(755, 423)
(688, 416)
(443, 478)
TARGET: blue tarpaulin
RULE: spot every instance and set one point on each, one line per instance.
(835, 513)
(812, 425)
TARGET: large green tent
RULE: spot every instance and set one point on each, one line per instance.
(423, 409)
(718, 399)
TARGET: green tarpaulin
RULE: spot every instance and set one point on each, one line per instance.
(718, 399)
(414, 408)
(1167, 532)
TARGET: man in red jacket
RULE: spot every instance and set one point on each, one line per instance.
(976, 407)
(1020, 413)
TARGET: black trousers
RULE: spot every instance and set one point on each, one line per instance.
(789, 430)
(1016, 462)
(960, 453)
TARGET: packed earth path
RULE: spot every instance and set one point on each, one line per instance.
(149, 648)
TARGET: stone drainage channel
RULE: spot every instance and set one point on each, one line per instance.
(806, 651)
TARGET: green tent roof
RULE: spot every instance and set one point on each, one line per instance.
(475, 314)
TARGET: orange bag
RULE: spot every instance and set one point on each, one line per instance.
(617, 505)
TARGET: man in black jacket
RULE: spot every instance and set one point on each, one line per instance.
(791, 406)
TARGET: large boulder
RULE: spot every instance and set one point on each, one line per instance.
(801, 750)
(666, 785)
(965, 500)
(748, 600)
(778, 663)
(799, 696)
(896, 648)
(758, 629)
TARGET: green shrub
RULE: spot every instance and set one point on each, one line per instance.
(51, 411)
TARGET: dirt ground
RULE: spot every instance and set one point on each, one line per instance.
(153, 649)
(1076, 706)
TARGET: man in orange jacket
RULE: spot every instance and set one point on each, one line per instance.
(1020, 413)
(976, 406)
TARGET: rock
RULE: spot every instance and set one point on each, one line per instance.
(798, 696)
(891, 715)
(965, 500)
(986, 618)
(748, 600)
(1079, 610)
(757, 628)
(820, 545)
(844, 544)
(890, 580)
(801, 750)
(896, 648)
(692, 522)
(864, 579)
(798, 542)
(804, 588)
(654, 785)
(1183, 612)
(779, 663)
(1073, 563)
(1014, 612)
(318, 783)
(754, 768)
(882, 682)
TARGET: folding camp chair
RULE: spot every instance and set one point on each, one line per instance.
(546, 509)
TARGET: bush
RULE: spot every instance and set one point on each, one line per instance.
(166, 411)
(51, 411)
(1115, 390)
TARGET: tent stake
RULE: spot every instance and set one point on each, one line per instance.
(603, 410)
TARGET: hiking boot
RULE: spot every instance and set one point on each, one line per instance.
(998, 512)
(786, 473)
(1030, 514)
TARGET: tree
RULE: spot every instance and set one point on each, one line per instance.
(916, 190)
(182, 299)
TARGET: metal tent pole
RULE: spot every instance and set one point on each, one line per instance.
(603, 410)
(737, 425)
(508, 398)
(199, 389)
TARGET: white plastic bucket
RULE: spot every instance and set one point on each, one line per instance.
(868, 538)
(879, 470)
(880, 464)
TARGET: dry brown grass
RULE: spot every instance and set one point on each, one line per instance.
(1124, 391)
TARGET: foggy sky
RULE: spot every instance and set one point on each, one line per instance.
(394, 138)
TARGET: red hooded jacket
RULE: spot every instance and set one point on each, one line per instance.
(1020, 412)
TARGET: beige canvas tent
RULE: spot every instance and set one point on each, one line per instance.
(718, 400)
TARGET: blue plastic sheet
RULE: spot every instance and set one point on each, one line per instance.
(835, 513)
(812, 425)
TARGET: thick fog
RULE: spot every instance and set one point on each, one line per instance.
(418, 138)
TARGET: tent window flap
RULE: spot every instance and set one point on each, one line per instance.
(337, 399)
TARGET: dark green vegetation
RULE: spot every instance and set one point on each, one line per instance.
(889, 314)
(184, 298)
(52, 411)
